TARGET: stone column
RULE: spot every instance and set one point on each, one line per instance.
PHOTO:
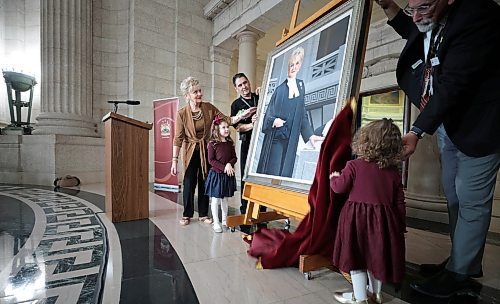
(66, 42)
(247, 51)
(247, 37)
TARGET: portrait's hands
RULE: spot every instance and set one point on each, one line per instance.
(257, 91)
(410, 142)
(334, 174)
(278, 123)
(173, 168)
(314, 139)
(229, 170)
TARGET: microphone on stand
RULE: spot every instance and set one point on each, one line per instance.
(129, 102)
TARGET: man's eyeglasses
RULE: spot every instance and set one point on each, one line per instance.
(424, 9)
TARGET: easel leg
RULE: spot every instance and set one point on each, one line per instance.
(308, 263)
(253, 216)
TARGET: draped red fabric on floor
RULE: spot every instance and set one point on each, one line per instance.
(316, 233)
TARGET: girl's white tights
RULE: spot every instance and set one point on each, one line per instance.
(215, 202)
(374, 285)
(223, 206)
(361, 283)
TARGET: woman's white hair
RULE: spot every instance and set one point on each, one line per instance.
(188, 84)
(298, 52)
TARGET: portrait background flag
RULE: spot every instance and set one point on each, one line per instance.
(165, 111)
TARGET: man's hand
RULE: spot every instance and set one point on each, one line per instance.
(257, 91)
(315, 139)
(410, 142)
(254, 118)
(229, 170)
(391, 8)
(278, 123)
(384, 4)
(248, 112)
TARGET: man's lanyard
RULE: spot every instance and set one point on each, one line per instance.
(431, 61)
(253, 101)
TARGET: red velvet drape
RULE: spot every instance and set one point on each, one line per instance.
(316, 232)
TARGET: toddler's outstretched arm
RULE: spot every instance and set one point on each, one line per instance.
(334, 174)
(342, 183)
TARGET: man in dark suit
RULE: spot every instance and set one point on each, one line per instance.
(449, 69)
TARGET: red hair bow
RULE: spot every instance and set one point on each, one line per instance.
(217, 119)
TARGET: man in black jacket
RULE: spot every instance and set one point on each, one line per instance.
(449, 70)
(245, 100)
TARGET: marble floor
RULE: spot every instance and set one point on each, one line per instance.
(60, 247)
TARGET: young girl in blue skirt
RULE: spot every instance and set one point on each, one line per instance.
(221, 182)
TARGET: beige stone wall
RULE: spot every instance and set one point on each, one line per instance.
(110, 55)
(153, 54)
(144, 51)
(171, 41)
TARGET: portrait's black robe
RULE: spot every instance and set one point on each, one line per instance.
(279, 148)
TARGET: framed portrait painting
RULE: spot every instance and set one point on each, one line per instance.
(306, 82)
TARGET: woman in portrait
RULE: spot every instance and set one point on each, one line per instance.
(285, 120)
(192, 132)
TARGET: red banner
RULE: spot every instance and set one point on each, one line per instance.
(164, 128)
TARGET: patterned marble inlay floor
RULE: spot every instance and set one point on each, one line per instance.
(62, 261)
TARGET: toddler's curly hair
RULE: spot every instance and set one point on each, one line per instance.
(379, 142)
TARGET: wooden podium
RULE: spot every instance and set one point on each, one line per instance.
(127, 153)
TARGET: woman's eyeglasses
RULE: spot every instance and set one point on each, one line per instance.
(424, 9)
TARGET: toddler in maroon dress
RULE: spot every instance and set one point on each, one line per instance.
(370, 243)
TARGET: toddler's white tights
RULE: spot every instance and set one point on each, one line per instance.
(215, 202)
(363, 281)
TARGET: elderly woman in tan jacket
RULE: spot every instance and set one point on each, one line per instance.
(192, 131)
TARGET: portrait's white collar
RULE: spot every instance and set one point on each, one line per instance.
(293, 90)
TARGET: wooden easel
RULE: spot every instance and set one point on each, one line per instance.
(294, 28)
(287, 203)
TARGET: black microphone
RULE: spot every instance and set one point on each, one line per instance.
(129, 102)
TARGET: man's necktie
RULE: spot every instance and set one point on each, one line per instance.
(427, 77)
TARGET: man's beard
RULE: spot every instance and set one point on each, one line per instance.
(425, 25)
